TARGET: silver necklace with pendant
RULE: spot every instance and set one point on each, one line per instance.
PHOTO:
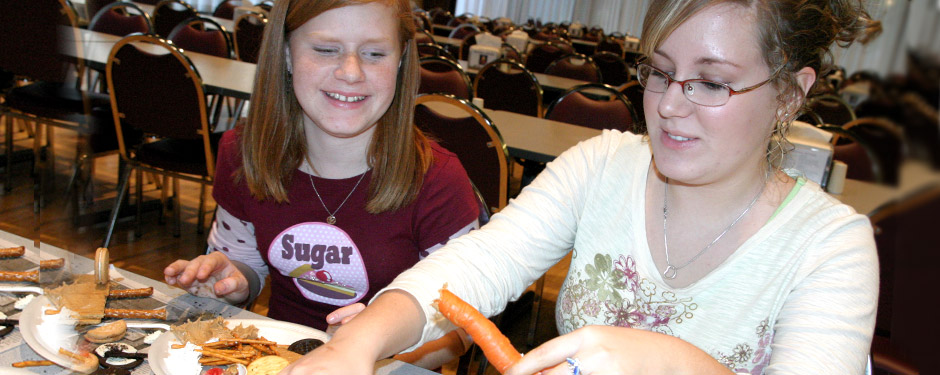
(672, 270)
(331, 219)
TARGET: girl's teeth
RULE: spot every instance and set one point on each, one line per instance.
(344, 98)
(678, 138)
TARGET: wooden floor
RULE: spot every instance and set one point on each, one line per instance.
(156, 247)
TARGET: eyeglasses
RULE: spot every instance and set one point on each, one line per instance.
(698, 91)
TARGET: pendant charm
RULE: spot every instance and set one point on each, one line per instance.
(670, 272)
(331, 220)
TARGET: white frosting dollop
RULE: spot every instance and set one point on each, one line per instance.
(151, 338)
(184, 361)
(22, 302)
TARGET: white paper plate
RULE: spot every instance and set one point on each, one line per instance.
(38, 336)
(283, 333)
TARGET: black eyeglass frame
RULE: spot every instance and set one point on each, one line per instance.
(670, 80)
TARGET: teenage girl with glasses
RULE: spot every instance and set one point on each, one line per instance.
(692, 251)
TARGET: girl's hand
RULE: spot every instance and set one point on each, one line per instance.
(211, 275)
(342, 316)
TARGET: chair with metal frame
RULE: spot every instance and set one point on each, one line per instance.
(162, 96)
(887, 141)
(575, 66)
(424, 36)
(203, 35)
(248, 35)
(574, 107)
(462, 128)
(53, 97)
(828, 109)
(634, 92)
(610, 44)
(509, 52)
(434, 49)
(440, 75)
(857, 153)
(226, 9)
(509, 86)
(117, 19)
(169, 13)
(542, 55)
(463, 31)
(614, 70)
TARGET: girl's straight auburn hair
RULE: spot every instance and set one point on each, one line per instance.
(272, 141)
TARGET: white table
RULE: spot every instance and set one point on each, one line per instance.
(14, 349)
(221, 76)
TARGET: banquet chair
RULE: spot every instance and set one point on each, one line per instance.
(828, 109)
(574, 107)
(433, 49)
(508, 52)
(905, 341)
(422, 22)
(610, 44)
(441, 17)
(121, 18)
(206, 36)
(463, 31)
(575, 66)
(634, 93)
(52, 98)
(247, 36)
(266, 5)
(856, 153)
(462, 128)
(887, 141)
(468, 41)
(169, 13)
(424, 36)
(203, 35)
(614, 70)
(542, 55)
(509, 86)
(160, 95)
(226, 9)
(440, 75)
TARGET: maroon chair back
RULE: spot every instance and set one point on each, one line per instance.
(29, 38)
(574, 107)
(117, 19)
(226, 9)
(441, 17)
(169, 13)
(248, 35)
(195, 35)
(509, 86)
(575, 66)
(856, 153)
(463, 31)
(614, 70)
(475, 141)
(441, 75)
(468, 41)
(634, 93)
(610, 44)
(544, 54)
(431, 49)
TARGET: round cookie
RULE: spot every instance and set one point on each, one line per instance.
(268, 365)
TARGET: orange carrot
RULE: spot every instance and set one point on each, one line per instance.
(496, 347)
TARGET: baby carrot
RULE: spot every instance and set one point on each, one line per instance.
(496, 347)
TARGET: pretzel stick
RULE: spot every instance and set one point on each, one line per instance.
(33, 363)
(263, 349)
(248, 341)
(32, 276)
(51, 264)
(209, 353)
(135, 314)
(130, 293)
(12, 252)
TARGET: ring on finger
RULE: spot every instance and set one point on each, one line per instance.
(574, 365)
